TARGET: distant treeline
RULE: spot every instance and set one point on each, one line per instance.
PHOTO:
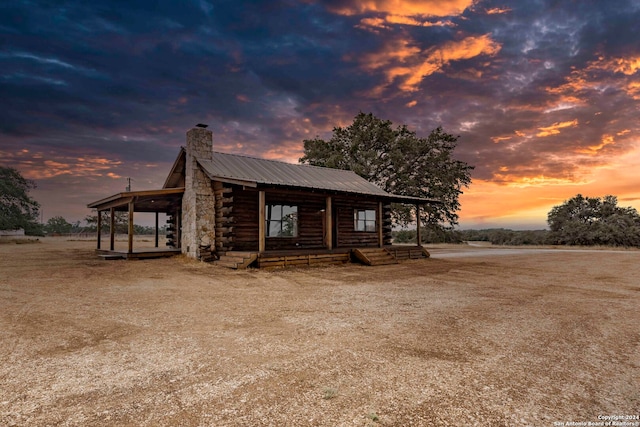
(497, 236)
(503, 236)
(585, 221)
(60, 226)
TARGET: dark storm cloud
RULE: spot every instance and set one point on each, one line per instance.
(542, 46)
(536, 88)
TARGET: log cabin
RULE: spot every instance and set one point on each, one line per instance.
(242, 211)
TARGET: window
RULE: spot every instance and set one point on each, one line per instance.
(365, 220)
(282, 221)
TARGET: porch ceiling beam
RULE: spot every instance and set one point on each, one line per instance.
(114, 204)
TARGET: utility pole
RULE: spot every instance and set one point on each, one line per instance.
(129, 184)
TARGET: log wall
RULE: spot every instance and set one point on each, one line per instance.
(347, 236)
(237, 219)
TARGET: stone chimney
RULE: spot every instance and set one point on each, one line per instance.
(198, 202)
(200, 142)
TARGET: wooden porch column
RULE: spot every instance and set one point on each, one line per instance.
(328, 242)
(131, 226)
(178, 232)
(156, 229)
(418, 235)
(380, 234)
(112, 228)
(261, 222)
(99, 226)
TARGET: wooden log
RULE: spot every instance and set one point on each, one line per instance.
(112, 228)
(130, 232)
(100, 229)
(261, 221)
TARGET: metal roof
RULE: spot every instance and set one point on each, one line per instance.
(253, 171)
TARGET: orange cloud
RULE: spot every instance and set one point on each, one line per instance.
(539, 180)
(633, 89)
(498, 139)
(498, 10)
(407, 7)
(289, 154)
(396, 50)
(598, 75)
(451, 51)
(627, 66)
(594, 149)
(387, 21)
(402, 12)
(407, 20)
(40, 165)
(399, 58)
(372, 22)
(554, 129)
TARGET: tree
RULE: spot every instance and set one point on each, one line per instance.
(58, 225)
(594, 221)
(121, 221)
(400, 162)
(17, 209)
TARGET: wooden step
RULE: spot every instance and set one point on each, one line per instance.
(408, 252)
(237, 260)
(374, 256)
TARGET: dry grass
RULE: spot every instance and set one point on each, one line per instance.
(495, 341)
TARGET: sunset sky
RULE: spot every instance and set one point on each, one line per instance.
(545, 95)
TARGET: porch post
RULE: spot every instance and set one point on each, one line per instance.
(328, 224)
(380, 234)
(131, 226)
(156, 229)
(261, 222)
(99, 225)
(178, 232)
(418, 235)
(112, 228)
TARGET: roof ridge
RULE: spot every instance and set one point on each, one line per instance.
(283, 162)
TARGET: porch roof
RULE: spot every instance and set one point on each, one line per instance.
(144, 201)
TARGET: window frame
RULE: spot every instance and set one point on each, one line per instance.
(269, 221)
(369, 225)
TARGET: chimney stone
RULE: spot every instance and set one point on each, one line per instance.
(200, 143)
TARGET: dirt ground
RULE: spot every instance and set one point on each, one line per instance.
(518, 340)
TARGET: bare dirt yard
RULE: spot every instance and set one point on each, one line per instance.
(527, 339)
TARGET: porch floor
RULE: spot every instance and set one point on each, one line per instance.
(142, 253)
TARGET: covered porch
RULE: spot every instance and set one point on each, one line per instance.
(165, 201)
